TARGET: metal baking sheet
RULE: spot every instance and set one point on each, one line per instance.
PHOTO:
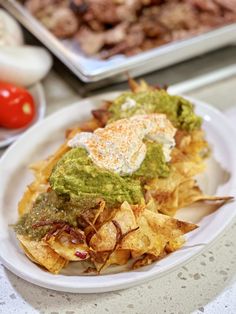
(92, 70)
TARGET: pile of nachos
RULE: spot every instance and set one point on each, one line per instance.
(109, 194)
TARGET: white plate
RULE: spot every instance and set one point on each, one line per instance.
(44, 138)
(9, 136)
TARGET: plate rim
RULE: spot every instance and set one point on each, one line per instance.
(113, 286)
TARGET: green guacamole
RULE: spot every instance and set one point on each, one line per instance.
(50, 207)
(76, 175)
(154, 164)
(178, 110)
(78, 185)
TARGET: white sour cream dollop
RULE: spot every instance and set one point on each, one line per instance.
(119, 147)
(128, 104)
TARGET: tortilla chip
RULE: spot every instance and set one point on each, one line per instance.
(189, 193)
(31, 193)
(28, 254)
(90, 126)
(141, 232)
(105, 238)
(42, 254)
(165, 198)
(142, 86)
(154, 233)
(118, 257)
(42, 171)
(213, 198)
(169, 194)
(147, 259)
(63, 246)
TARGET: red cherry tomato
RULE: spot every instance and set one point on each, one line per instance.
(17, 107)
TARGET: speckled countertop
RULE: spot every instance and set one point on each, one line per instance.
(206, 284)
